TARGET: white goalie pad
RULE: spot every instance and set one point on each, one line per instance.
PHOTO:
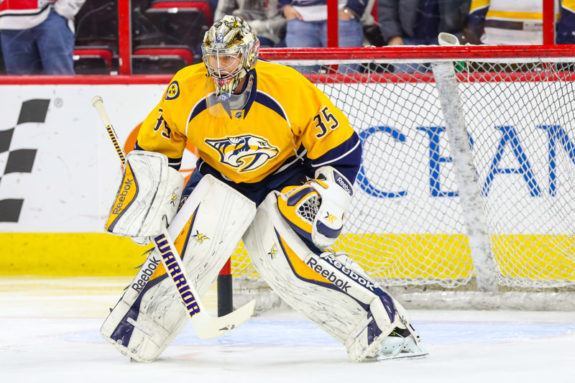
(328, 288)
(148, 196)
(206, 231)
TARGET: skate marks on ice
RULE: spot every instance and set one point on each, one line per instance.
(52, 335)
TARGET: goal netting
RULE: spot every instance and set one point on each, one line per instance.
(468, 173)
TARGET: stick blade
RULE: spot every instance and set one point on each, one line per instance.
(211, 327)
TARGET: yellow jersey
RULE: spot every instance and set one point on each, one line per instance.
(284, 118)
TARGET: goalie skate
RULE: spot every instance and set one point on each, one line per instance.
(401, 343)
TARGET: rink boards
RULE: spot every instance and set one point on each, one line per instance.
(60, 174)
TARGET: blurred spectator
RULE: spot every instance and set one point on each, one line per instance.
(263, 16)
(37, 36)
(418, 22)
(307, 25)
(565, 27)
(510, 22)
(371, 33)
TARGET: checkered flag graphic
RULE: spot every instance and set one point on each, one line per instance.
(19, 160)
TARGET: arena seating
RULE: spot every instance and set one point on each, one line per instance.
(166, 35)
(96, 46)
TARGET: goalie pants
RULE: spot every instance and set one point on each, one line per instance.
(257, 192)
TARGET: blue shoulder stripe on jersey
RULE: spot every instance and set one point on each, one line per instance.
(200, 107)
(253, 92)
(172, 162)
(346, 158)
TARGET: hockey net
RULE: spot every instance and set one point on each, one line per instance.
(468, 173)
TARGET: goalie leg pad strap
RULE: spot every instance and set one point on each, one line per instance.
(329, 289)
(206, 230)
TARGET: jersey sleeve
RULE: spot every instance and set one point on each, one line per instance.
(346, 158)
(161, 131)
(328, 136)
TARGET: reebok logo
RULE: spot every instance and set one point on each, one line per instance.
(327, 274)
(19, 160)
(122, 197)
(146, 273)
(360, 280)
(343, 183)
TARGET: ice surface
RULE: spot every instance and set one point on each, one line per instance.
(49, 333)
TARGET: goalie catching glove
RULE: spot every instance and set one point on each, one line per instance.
(147, 199)
(316, 210)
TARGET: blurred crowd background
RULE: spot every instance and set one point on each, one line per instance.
(81, 36)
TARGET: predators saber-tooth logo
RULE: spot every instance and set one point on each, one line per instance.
(245, 153)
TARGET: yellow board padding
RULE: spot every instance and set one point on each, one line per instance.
(539, 257)
(446, 256)
(69, 254)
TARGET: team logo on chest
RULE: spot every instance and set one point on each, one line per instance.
(245, 153)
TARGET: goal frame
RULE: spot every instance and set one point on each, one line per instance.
(420, 52)
(476, 296)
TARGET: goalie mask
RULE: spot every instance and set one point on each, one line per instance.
(230, 51)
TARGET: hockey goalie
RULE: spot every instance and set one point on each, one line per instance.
(277, 162)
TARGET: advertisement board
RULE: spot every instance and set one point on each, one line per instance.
(59, 171)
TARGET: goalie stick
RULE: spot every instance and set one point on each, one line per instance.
(205, 325)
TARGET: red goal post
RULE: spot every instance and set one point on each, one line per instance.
(421, 52)
(468, 174)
